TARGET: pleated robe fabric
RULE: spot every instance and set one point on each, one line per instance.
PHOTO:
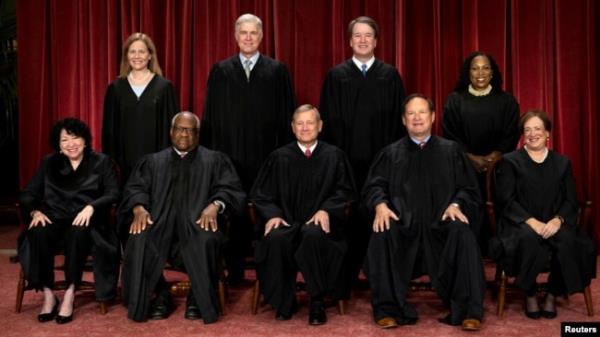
(175, 191)
(418, 185)
(294, 187)
(526, 189)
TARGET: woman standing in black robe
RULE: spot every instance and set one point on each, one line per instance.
(138, 106)
(482, 118)
(538, 208)
(67, 201)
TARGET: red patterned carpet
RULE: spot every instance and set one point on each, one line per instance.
(238, 320)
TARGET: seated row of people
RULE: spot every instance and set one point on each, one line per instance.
(421, 192)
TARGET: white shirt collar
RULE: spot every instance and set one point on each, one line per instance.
(312, 148)
(180, 153)
(253, 58)
(416, 141)
(359, 64)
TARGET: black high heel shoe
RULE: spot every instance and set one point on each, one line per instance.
(547, 313)
(64, 319)
(42, 318)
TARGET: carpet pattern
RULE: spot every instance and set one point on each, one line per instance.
(238, 320)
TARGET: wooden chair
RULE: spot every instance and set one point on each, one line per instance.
(583, 221)
(251, 213)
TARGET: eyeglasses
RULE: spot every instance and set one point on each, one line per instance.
(189, 131)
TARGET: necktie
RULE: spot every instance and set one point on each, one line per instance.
(364, 70)
(422, 144)
(307, 153)
(247, 64)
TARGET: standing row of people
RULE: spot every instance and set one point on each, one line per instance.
(421, 195)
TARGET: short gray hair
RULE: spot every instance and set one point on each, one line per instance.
(186, 114)
(248, 18)
(305, 108)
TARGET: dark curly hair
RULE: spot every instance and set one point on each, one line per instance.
(464, 78)
(74, 127)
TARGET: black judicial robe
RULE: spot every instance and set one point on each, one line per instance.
(482, 124)
(132, 126)
(61, 193)
(247, 120)
(362, 114)
(418, 185)
(294, 188)
(526, 189)
(175, 191)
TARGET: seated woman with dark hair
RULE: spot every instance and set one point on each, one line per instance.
(66, 203)
(535, 192)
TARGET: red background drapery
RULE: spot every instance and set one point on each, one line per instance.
(548, 52)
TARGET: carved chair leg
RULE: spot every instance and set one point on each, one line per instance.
(255, 297)
(222, 296)
(103, 309)
(20, 292)
(587, 295)
(341, 307)
(501, 296)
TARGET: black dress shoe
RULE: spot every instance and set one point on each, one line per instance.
(280, 316)
(191, 308)
(448, 320)
(406, 320)
(160, 307)
(64, 319)
(49, 316)
(316, 314)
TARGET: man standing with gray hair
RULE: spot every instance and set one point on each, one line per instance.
(249, 102)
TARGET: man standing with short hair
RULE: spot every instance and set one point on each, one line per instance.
(425, 199)
(249, 102)
(361, 106)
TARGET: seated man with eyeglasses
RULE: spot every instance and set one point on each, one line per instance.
(173, 203)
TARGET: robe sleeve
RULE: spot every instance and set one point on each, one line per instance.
(397, 109)
(467, 189)
(211, 105)
(329, 108)
(32, 195)
(110, 128)
(452, 120)
(510, 132)
(265, 189)
(136, 191)
(227, 186)
(110, 186)
(168, 109)
(287, 105)
(377, 185)
(344, 192)
(568, 208)
(506, 193)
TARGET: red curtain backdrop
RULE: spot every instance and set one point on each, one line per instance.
(548, 52)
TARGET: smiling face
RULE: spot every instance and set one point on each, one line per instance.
(71, 146)
(480, 73)
(306, 127)
(248, 37)
(363, 41)
(138, 55)
(535, 134)
(418, 118)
